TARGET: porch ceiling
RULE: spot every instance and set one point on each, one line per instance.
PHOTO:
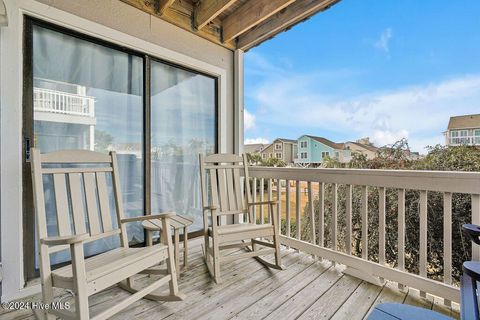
(234, 24)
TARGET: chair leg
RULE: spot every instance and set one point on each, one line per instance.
(254, 245)
(185, 247)
(171, 268)
(207, 245)
(177, 249)
(216, 261)
(79, 275)
(47, 298)
(81, 304)
(276, 238)
(278, 256)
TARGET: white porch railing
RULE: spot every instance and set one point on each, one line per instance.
(62, 102)
(423, 182)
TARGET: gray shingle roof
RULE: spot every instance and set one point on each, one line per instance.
(463, 122)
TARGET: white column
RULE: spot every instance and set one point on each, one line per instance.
(238, 101)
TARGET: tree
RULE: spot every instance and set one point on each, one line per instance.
(273, 162)
(103, 140)
(254, 158)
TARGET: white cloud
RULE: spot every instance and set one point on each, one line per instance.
(385, 137)
(296, 102)
(248, 120)
(384, 40)
(258, 140)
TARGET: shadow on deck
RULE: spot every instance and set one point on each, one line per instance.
(307, 289)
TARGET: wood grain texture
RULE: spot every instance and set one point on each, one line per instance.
(209, 9)
(304, 278)
(249, 15)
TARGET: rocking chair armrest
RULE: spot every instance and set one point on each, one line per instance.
(211, 208)
(63, 240)
(149, 217)
(262, 202)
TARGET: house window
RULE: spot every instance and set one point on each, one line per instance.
(303, 144)
(270, 155)
(459, 137)
(325, 154)
(337, 154)
(89, 94)
(278, 155)
(303, 155)
(264, 156)
(278, 146)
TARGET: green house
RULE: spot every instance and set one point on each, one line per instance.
(313, 150)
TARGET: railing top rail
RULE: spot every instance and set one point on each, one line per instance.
(37, 89)
(441, 181)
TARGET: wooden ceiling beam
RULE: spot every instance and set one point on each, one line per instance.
(249, 15)
(208, 10)
(180, 14)
(293, 14)
(163, 5)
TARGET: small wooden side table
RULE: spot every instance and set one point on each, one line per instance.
(177, 222)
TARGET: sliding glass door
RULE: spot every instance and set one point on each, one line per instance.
(183, 124)
(83, 93)
(89, 96)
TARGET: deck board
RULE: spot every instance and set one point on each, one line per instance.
(309, 288)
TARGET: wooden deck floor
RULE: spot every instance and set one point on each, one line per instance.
(307, 289)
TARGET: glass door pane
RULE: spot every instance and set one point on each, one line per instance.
(183, 124)
(89, 96)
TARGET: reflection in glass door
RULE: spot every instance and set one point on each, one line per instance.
(83, 93)
(183, 124)
(89, 96)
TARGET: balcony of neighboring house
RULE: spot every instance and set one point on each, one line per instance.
(63, 112)
(67, 107)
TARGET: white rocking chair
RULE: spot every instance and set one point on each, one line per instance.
(86, 186)
(223, 195)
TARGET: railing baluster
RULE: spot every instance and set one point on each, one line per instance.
(348, 239)
(270, 197)
(312, 212)
(297, 210)
(262, 189)
(364, 212)
(254, 195)
(423, 237)
(287, 208)
(321, 214)
(279, 205)
(476, 220)
(401, 232)
(381, 225)
(334, 216)
(447, 240)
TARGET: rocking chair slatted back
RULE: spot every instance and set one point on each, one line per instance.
(221, 178)
(81, 195)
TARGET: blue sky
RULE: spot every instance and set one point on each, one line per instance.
(385, 69)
